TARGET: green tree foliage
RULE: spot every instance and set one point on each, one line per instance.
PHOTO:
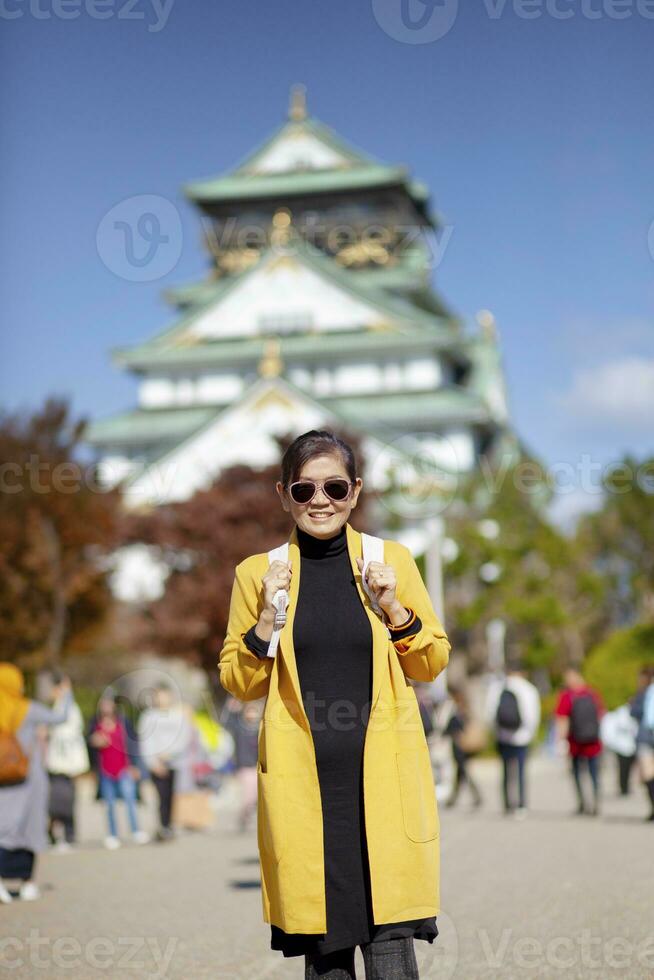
(619, 540)
(612, 666)
(56, 526)
(513, 564)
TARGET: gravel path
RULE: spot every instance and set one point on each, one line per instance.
(554, 896)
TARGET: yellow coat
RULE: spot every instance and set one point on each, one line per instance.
(401, 815)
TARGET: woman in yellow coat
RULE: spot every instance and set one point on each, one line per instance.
(348, 826)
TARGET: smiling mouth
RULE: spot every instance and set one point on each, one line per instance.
(319, 515)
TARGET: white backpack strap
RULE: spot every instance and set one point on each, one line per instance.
(373, 550)
(280, 599)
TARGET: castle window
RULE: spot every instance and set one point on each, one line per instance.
(285, 322)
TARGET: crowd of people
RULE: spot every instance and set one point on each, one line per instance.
(45, 748)
(582, 728)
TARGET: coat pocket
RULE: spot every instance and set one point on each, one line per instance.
(418, 794)
(270, 813)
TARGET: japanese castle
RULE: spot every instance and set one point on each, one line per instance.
(318, 311)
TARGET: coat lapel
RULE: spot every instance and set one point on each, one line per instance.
(286, 648)
(380, 635)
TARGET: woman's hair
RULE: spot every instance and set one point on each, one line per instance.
(316, 442)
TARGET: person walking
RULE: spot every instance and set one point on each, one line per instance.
(119, 766)
(164, 735)
(618, 730)
(349, 852)
(578, 715)
(513, 709)
(642, 710)
(243, 724)
(24, 804)
(457, 723)
(67, 758)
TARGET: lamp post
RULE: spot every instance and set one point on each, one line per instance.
(495, 635)
(434, 577)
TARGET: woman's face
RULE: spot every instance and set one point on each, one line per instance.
(335, 512)
(106, 707)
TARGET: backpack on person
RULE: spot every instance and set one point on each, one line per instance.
(373, 550)
(508, 714)
(14, 763)
(584, 720)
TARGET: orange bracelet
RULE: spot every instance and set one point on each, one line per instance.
(407, 622)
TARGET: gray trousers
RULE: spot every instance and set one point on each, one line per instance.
(386, 959)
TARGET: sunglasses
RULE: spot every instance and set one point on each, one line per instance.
(303, 491)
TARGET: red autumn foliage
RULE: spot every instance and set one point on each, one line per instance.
(56, 527)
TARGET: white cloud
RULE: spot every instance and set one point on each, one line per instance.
(618, 394)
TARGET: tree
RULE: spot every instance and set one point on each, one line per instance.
(512, 564)
(613, 666)
(619, 540)
(201, 540)
(56, 525)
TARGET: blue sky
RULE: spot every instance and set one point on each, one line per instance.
(530, 121)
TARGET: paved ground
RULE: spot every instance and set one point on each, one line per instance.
(555, 896)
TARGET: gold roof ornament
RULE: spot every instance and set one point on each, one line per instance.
(236, 260)
(281, 229)
(297, 106)
(363, 252)
(270, 365)
(488, 324)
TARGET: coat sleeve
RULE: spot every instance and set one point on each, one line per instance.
(242, 673)
(424, 655)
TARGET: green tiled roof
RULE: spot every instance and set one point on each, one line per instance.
(169, 427)
(359, 171)
(233, 188)
(447, 404)
(144, 426)
(194, 293)
(313, 127)
(299, 347)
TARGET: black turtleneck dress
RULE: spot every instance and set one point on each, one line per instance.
(333, 649)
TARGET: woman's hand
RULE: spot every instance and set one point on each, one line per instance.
(383, 582)
(277, 577)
